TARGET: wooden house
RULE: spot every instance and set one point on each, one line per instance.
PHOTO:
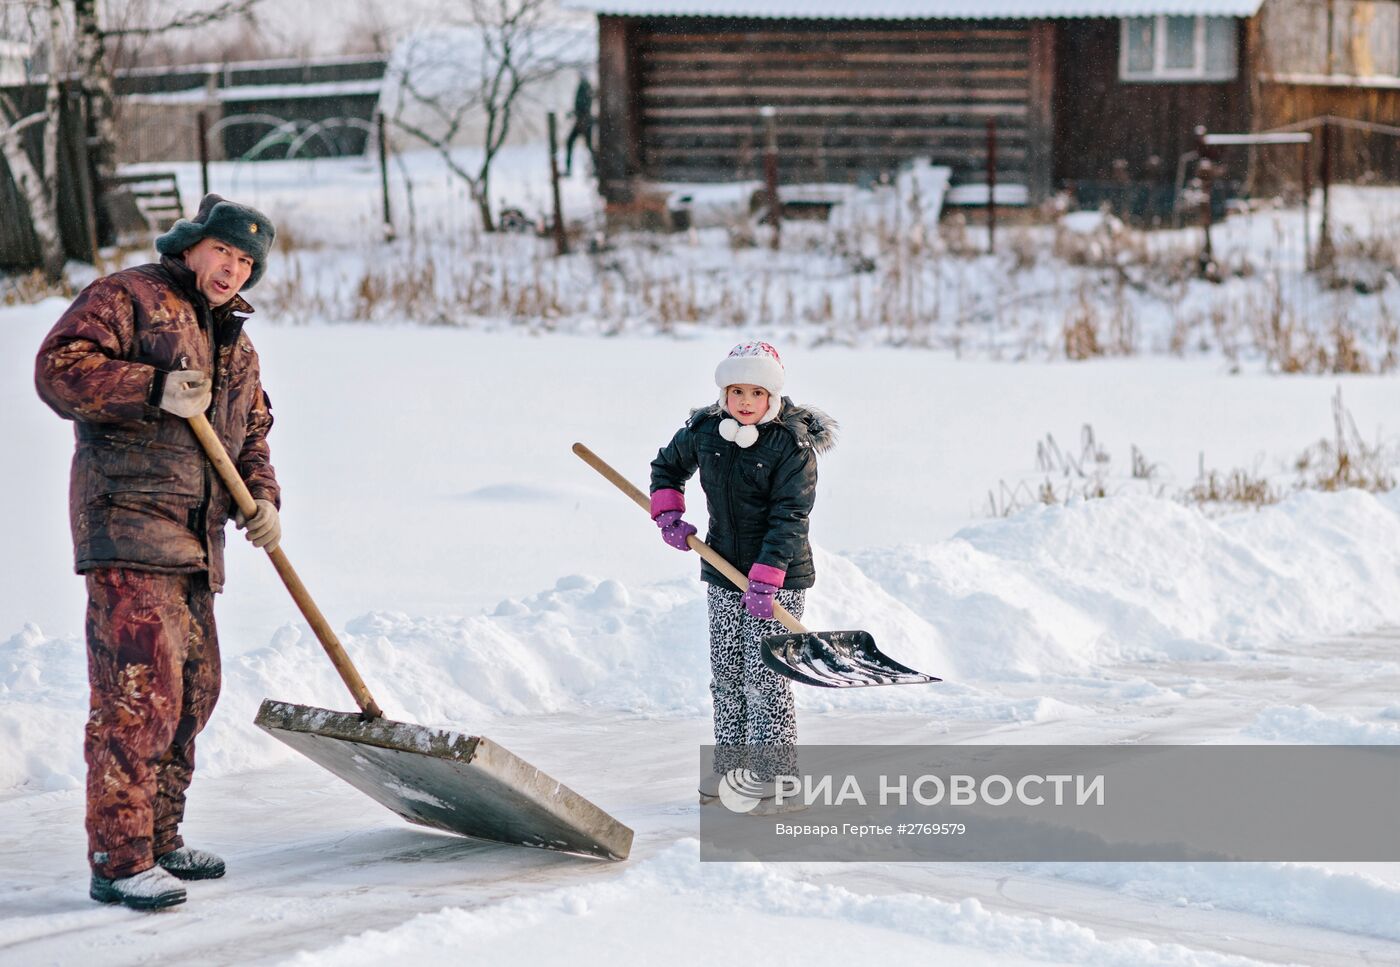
(1085, 94)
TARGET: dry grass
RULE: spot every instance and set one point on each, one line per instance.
(1345, 461)
(1047, 293)
(1365, 264)
(1069, 475)
(1234, 489)
(1110, 245)
(28, 287)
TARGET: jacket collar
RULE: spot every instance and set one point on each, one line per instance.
(811, 426)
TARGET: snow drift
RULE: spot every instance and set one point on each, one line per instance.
(1051, 592)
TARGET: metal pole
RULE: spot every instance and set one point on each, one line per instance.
(561, 244)
(991, 184)
(770, 171)
(384, 177)
(203, 153)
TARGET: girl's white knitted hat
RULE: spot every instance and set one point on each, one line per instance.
(752, 363)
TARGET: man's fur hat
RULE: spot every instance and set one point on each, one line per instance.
(238, 225)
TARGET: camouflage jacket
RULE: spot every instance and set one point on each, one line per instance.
(142, 494)
(759, 497)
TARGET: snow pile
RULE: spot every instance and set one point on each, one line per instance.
(1352, 902)
(1306, 725)
(659, 906)
(43, 704)
(1064, 589)
(1054, 591)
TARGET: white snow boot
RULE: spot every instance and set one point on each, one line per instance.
(152, 889)
(192, 864)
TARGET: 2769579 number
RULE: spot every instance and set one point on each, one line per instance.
(933, 829)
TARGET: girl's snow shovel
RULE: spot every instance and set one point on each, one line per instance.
(463, 784)
(829, 659)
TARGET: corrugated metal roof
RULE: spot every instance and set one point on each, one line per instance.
(917, 9)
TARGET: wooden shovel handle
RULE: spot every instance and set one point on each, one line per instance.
(219, 457)
(697, 545)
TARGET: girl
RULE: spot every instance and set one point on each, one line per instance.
(757, 456)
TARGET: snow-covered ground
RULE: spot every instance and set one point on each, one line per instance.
(484, 579)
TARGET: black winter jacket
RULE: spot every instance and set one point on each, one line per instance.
(759, 497)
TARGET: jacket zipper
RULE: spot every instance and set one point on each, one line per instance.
(729, 460)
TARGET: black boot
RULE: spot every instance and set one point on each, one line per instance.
(192, 864)
(151, 889)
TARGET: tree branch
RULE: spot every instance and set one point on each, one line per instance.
(16, 129)
(189, 21)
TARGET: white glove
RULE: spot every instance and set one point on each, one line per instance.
(265, 529)
(186, 393)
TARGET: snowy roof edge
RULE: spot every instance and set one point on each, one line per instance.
(917, 9)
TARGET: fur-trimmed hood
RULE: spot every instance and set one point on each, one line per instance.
(807, 423)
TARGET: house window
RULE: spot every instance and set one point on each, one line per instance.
(1167, 48)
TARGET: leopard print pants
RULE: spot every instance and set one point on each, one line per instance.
(755, 723)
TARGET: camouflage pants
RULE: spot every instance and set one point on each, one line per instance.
(153, 667)
(755, 719)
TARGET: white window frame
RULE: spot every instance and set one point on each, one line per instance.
(1160, 73)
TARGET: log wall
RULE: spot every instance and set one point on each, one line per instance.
(681, 97)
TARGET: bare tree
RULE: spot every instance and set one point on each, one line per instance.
(174, 20)
(478, 71)
(94, 65)
(96, 77)
(53, 103)
(39, 186)
(369, 30)
(137, 30)
(42, 213)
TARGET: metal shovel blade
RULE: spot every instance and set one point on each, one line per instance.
(464, 784)
(837, 659)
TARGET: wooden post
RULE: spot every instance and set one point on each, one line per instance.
(561, 244)
(203, 126)
(1324, 241)
(1307, 207)
(384, 177)
(991, 184)
(1207, 176)
(85, 169)
(1205, 173)
(770, 171)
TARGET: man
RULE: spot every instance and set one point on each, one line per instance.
(134, 356)
(582, 126)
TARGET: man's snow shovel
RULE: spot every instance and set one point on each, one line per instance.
(463, 784)
(828, 659)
